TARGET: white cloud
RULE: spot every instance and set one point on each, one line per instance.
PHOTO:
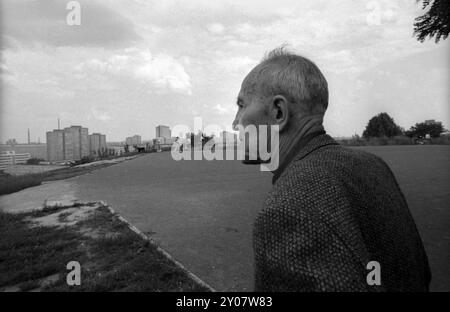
(222, 109)
(216, 28)
(237, 63)
(99, 115)
(160, 73)
(164, 71)
(155, 52)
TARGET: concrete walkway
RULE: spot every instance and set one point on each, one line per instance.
(202, 212)
(34, 198)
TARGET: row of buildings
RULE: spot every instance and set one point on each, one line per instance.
(133, 141)
(73, 143)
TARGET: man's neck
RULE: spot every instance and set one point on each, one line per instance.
(304, 127)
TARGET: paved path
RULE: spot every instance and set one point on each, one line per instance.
(34, 197)
(202, 212)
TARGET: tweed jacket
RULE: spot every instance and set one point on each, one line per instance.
(331, 211)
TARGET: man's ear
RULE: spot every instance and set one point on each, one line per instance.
(280, 111)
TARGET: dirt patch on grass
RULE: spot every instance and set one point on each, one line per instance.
(36, 247)
(62, 216)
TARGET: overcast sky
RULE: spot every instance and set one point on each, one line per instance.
(132, 65)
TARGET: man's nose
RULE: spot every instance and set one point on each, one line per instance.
(235, 123)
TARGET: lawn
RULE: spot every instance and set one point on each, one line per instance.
(112, 257)
(14, 183)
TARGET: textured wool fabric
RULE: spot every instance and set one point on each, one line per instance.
(332, 210)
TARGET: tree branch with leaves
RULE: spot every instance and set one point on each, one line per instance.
(435, 22)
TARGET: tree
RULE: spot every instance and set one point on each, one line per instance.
(435, 22)
(11, 142)
(420, 130)
(381, 125)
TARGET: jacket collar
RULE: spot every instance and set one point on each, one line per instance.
(302, 148)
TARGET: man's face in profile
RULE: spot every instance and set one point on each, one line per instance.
(252, 110)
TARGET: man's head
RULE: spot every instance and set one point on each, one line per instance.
(285, 89)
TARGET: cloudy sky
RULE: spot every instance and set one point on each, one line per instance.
(132, 65)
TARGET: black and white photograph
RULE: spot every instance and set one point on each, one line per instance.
(238, 147)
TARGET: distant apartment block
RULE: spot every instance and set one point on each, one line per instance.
(76, 142)
(55, 145)
(134, 140)
(73, 143)
(163, 132)
(97, 143)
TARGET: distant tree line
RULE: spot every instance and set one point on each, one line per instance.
(383, 125)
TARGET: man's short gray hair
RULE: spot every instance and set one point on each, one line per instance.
(295, 77)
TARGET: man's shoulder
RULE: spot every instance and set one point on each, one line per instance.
(321, 178)
(328, 163)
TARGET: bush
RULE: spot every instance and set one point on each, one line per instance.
(378, 141)
(400, 140)
(444, 140)
(83, 160)
(356, 140)
(87, 159)
(34, 161)
(375, 141)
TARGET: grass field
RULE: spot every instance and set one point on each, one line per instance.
(112, 257)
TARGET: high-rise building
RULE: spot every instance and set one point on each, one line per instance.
(163, 132)
(103, 143)
(84, 139)
(55, 145)
(73, 143)
(134, 140)
(94, 143)
(76, 142)
(97, 143)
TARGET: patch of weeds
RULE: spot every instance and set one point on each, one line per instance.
(120, 262)
(27, 254)
(62, 217)
(29, 285)
(44, 212)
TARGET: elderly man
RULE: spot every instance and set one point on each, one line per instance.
(336, 219)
